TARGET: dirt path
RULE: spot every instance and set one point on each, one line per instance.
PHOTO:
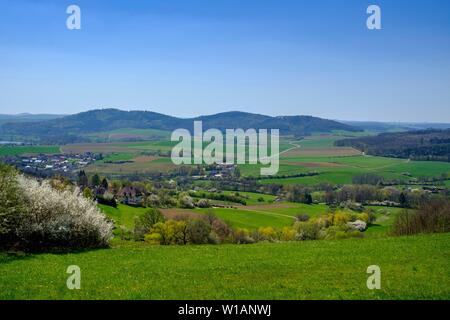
(268, 213)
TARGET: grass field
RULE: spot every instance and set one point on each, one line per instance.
(415, 267)
(340, 170)
(123, 215)
(134, 165)
(19, 150)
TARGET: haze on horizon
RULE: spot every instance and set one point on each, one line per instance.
(194, 57)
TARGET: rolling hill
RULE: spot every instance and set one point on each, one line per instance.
(71, 128)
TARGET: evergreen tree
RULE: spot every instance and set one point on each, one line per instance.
(82, 181)
(95, 180)
(105, 184)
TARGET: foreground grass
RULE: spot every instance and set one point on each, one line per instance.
(412, 268)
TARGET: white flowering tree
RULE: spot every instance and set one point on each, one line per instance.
(55, 218)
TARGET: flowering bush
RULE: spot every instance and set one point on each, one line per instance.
(59, 218)
(10, 204)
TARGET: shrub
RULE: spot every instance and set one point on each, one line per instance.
(124, 233)
(213, 238)
(87, 193)
(169, 232)
(185, 201)
(302, 217)
(307, 230)
(203, 203)
(287, 234)
(143, 224)
(221, 229)
(11, 204)
(242, 236)
(340, 232)
(363, 217)
(268, 233)
(341, 218)
(54, 218)
(198, 231)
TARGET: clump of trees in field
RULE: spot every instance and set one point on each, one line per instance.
(153, 228)
(431, 217)
(36, 215)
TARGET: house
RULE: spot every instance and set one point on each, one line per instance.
(131, 195)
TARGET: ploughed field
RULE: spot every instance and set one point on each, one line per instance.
(416, 267)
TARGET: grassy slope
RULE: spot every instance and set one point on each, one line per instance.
(411, 268)
(123, 215)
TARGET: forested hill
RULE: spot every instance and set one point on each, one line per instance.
(417, 145)
(70, 128)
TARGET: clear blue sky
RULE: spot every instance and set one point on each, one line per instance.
(191, 57)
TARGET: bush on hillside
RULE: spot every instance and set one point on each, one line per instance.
(59, 218)
(144, 223)
(11, 204)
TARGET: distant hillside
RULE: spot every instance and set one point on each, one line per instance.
(418, 145)
(26, 117)
(70, 129)
(396, 126)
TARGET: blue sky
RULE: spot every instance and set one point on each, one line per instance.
(191, 57)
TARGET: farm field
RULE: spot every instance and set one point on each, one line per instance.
(133, 164)
(20, 150)
(415, 267)
(340, 170)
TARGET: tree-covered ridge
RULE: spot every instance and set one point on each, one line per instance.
(70, 128)
(417, 145)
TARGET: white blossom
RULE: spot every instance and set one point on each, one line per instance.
(60, 218)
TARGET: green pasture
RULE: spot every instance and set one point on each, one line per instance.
(415, 267)
(20, 150)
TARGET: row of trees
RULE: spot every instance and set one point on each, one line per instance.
(431, 217)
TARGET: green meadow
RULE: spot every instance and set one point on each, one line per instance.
(341, 170)
(19, 150)
(414, 267)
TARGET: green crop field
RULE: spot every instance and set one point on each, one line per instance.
(252, 198)
(340, 170)
(411, 268)
(19, 150)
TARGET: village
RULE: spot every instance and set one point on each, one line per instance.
(51, 164)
